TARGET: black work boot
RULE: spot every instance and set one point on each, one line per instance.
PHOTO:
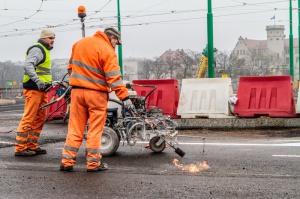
(26, 152)
(67, 168)
(39, 151)
(101, 167)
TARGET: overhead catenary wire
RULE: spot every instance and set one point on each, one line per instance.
(186, 19)
(147, 8)
(100, 8)
(111, 18)
(258, 4)
(26, 18)
(39, 28)
(67, 26)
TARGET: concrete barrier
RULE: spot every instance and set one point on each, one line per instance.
(164, 97)
(271, 96)
(298, 102)
(205, 97)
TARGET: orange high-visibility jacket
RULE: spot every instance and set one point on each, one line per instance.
(95, 66)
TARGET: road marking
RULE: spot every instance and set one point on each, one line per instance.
(240, 144)
(2, 142)
(215, 144)
(235, 144)
(289, 156)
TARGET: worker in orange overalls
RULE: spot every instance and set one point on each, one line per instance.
(37, 68)
(94, 72)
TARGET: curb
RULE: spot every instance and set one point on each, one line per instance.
(238, 123)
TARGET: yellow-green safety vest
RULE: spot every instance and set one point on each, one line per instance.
(43, 69)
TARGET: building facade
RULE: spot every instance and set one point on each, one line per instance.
(130, 69)
(276, 44)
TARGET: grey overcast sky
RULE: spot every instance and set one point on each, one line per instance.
(149, 27)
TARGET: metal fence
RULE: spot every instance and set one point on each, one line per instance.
(10, 93)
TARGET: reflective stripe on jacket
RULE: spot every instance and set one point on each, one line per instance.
(43, 70)
(95, 66)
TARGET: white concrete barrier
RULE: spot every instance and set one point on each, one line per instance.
(205, 97)
(298, 102)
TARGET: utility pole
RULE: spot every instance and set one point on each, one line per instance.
(299, 38)
(120, 56)
(291, 43)
(210, 38)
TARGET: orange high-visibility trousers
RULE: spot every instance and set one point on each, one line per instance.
(33, 119)
(86, 105)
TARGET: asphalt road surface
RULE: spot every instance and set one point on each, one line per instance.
(242, 164)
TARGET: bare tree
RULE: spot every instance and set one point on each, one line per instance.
(145, 68)
(255, 64)
(10, 72)
(170, 61)
(234, 69)
(171, 65)
(260, 63)
(59, 69)
(234, 66)
(187, 63)
(222, 59)
(158, 69)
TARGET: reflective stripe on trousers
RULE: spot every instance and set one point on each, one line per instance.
(85, 105)
(32, 121)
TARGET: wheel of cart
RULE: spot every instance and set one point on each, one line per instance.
(110, 141)
(157, 145)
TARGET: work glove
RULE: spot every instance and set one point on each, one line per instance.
(41, 85)
(128, 104)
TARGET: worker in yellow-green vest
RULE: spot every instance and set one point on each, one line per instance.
(37, 67)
